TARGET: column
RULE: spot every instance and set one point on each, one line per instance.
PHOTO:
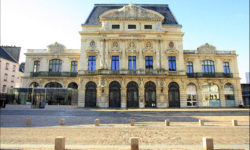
(123, 55)
(222, 96)
(101, 54)
(161, 58)
(140, 59)
(83, 57)
(81, 97)
(157, 55)
(141, 97)
(106, 54)
(123, 97)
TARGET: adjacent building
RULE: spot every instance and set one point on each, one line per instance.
(10, 76)
(132, 56)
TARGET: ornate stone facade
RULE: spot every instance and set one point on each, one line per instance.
(134, 57)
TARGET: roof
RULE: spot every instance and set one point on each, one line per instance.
(99, 9)
(5, 55)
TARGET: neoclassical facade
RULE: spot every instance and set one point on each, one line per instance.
(132, 56)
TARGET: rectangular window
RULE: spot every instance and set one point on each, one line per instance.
(7, 66)
(12, 78)
(4, 88)
(189, 67)
(115, 26)
(36, 66)
(226, 68)
(92, 63)
(5, 77)
(14, 68)
(172, 63)
(115, 63)
(149, 62)
(131, 26)
(132, 62)
(147, 26)
(74, 66)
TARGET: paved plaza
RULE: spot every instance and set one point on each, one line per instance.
(115, 131)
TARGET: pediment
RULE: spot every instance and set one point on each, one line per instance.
(206, 49)
(131, 12)
(56, 48)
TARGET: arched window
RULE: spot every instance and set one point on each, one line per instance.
(73, 85)
(191, 95)
(55, 65)
(210, 95)
(36, 66)
(229, 94)
(34, 84)
(208, 67)
(53, 85)
(73, 66)
(189, 67)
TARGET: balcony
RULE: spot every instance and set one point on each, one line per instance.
(209, 75)
(53, 74)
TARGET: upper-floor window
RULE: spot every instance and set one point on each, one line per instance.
(149, 62)
(14, 68)
(55, 65)
(73, 66)
(132, 62)
(115, 63)
(12, 78)
(36, 66)
(115, 26)
(208, 66)
(7, 66)
(147, 26)
(5, 77)
(189, 67)
(92, 63)
(131, 26)
(4, 88)
(172, 63)
(226, 68)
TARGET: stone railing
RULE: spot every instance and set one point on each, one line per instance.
(209, 75)
(53, 74)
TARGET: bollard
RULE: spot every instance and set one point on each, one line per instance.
(28, 121)
(97, 122)
(201, 122)
(208, 143)
(167, 123)
(62, 122)
(132, 122)
(234, 123)
(60, 143)
(134, 143)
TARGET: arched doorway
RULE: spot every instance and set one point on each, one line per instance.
(114, 94)
(132, 95)
(90, 94)
(173, 95)
(53, 85)
(229, 95)
(73, 85)
(150, 94)
(34, 84)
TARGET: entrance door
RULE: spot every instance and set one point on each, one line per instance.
(132, 95)
(114, 94)
(150, 94)
(173, 95)
(90, 95)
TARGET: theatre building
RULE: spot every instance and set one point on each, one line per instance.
(132, 56)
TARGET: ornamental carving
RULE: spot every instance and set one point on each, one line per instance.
(206, 49)
(56, 48)
(115, 46)
(148, 46)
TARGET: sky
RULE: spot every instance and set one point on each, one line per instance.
(34, 24)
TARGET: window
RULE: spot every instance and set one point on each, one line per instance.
(229, 91)
(132, 62)
(131, 26)
(74, 66)
(226, 68)
(208, 66)
(7, 66)
(36, 66)
(5, 77)
(172, 63)
(191, 95)
(12, 78)
(14, 68)
(189, 67)
(210, 91)
(4, 88)
(115, 26)
(115, 63)
(147, 26)
(92, 63)
(55, 65)
(149, 62)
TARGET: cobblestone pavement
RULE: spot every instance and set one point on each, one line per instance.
(115, 131)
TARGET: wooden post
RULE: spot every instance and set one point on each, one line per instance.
(28, 121)
(167, 123)
(234, 123)
(62, 122)
(134, 143)
(60, 143)
(208, 143)
(201, 122)
(97, 122)
(132, 122)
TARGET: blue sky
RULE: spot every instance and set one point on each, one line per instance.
(38, 23)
